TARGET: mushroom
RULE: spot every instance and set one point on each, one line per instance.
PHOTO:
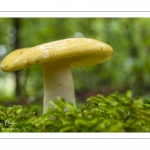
(56, 59)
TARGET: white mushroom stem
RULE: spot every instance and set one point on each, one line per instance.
(58, 81)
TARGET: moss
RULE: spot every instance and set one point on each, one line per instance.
(113, 113)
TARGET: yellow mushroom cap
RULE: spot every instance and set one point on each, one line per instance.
(79, 51)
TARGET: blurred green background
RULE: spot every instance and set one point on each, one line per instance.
(127, 70)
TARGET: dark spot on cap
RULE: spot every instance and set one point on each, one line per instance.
(37, 61)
